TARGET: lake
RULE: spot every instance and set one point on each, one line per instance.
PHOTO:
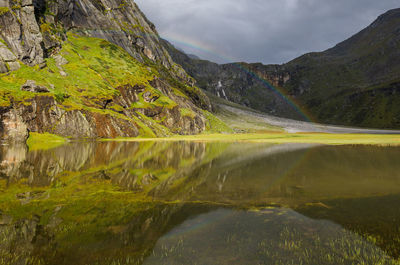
(199, 203)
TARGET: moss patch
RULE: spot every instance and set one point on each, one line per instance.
(44, 141)
(93, 70)
(215, 125)
(4, 10)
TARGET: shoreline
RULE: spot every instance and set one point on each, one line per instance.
(279, 138)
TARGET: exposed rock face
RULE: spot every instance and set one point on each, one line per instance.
(252, 85)
(34, 30)
(21, 33)
(8, 61)
(12, 125)
(120, 22)
(44, 114)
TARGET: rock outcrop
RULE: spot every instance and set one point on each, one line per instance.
(12, 126)
(44, 114)
(31, 86)
(35, 29)
(8, 61)
(21, 33)
(34, 32)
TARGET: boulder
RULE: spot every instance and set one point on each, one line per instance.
(6, 54)
(3, 67)
(14, 66)
(31, 86)
(12, 126)
(8, 61)
(60, 61)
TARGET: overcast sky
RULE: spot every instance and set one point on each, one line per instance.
(268, 31)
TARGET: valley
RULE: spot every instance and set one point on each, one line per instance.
(355, 83)
(117, 148)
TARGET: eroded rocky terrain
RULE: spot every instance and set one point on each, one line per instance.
(59, 77)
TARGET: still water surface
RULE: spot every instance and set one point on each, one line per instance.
(199, 203)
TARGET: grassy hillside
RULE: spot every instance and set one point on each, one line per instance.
(87, 79)
(356, 82)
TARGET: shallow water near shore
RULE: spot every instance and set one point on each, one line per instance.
(180, 202)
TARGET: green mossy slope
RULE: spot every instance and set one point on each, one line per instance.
(87, 79)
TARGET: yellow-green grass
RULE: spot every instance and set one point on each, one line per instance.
(44, 141)
(281, 138)
(215, 125)
(94, 70)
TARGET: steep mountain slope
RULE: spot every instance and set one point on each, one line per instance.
(90, 68)
(358, 80)
(355, 83)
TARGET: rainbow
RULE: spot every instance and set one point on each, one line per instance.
(205, 48)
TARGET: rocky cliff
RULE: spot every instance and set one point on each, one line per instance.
(35, 29)
(253, 85)
(90, 68)
(354, 83)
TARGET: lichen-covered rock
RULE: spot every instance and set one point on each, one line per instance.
(5, 54)
(171, 118)
(13, 66)
(3, 67)
(8, 61)
(12, 125)
(31, 86)
(21, 32)
(44, 114)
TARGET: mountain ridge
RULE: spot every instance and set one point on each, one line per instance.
(351, 83)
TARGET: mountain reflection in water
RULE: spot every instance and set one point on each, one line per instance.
(199, 203)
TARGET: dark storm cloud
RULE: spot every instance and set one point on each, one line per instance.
(268, 31)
